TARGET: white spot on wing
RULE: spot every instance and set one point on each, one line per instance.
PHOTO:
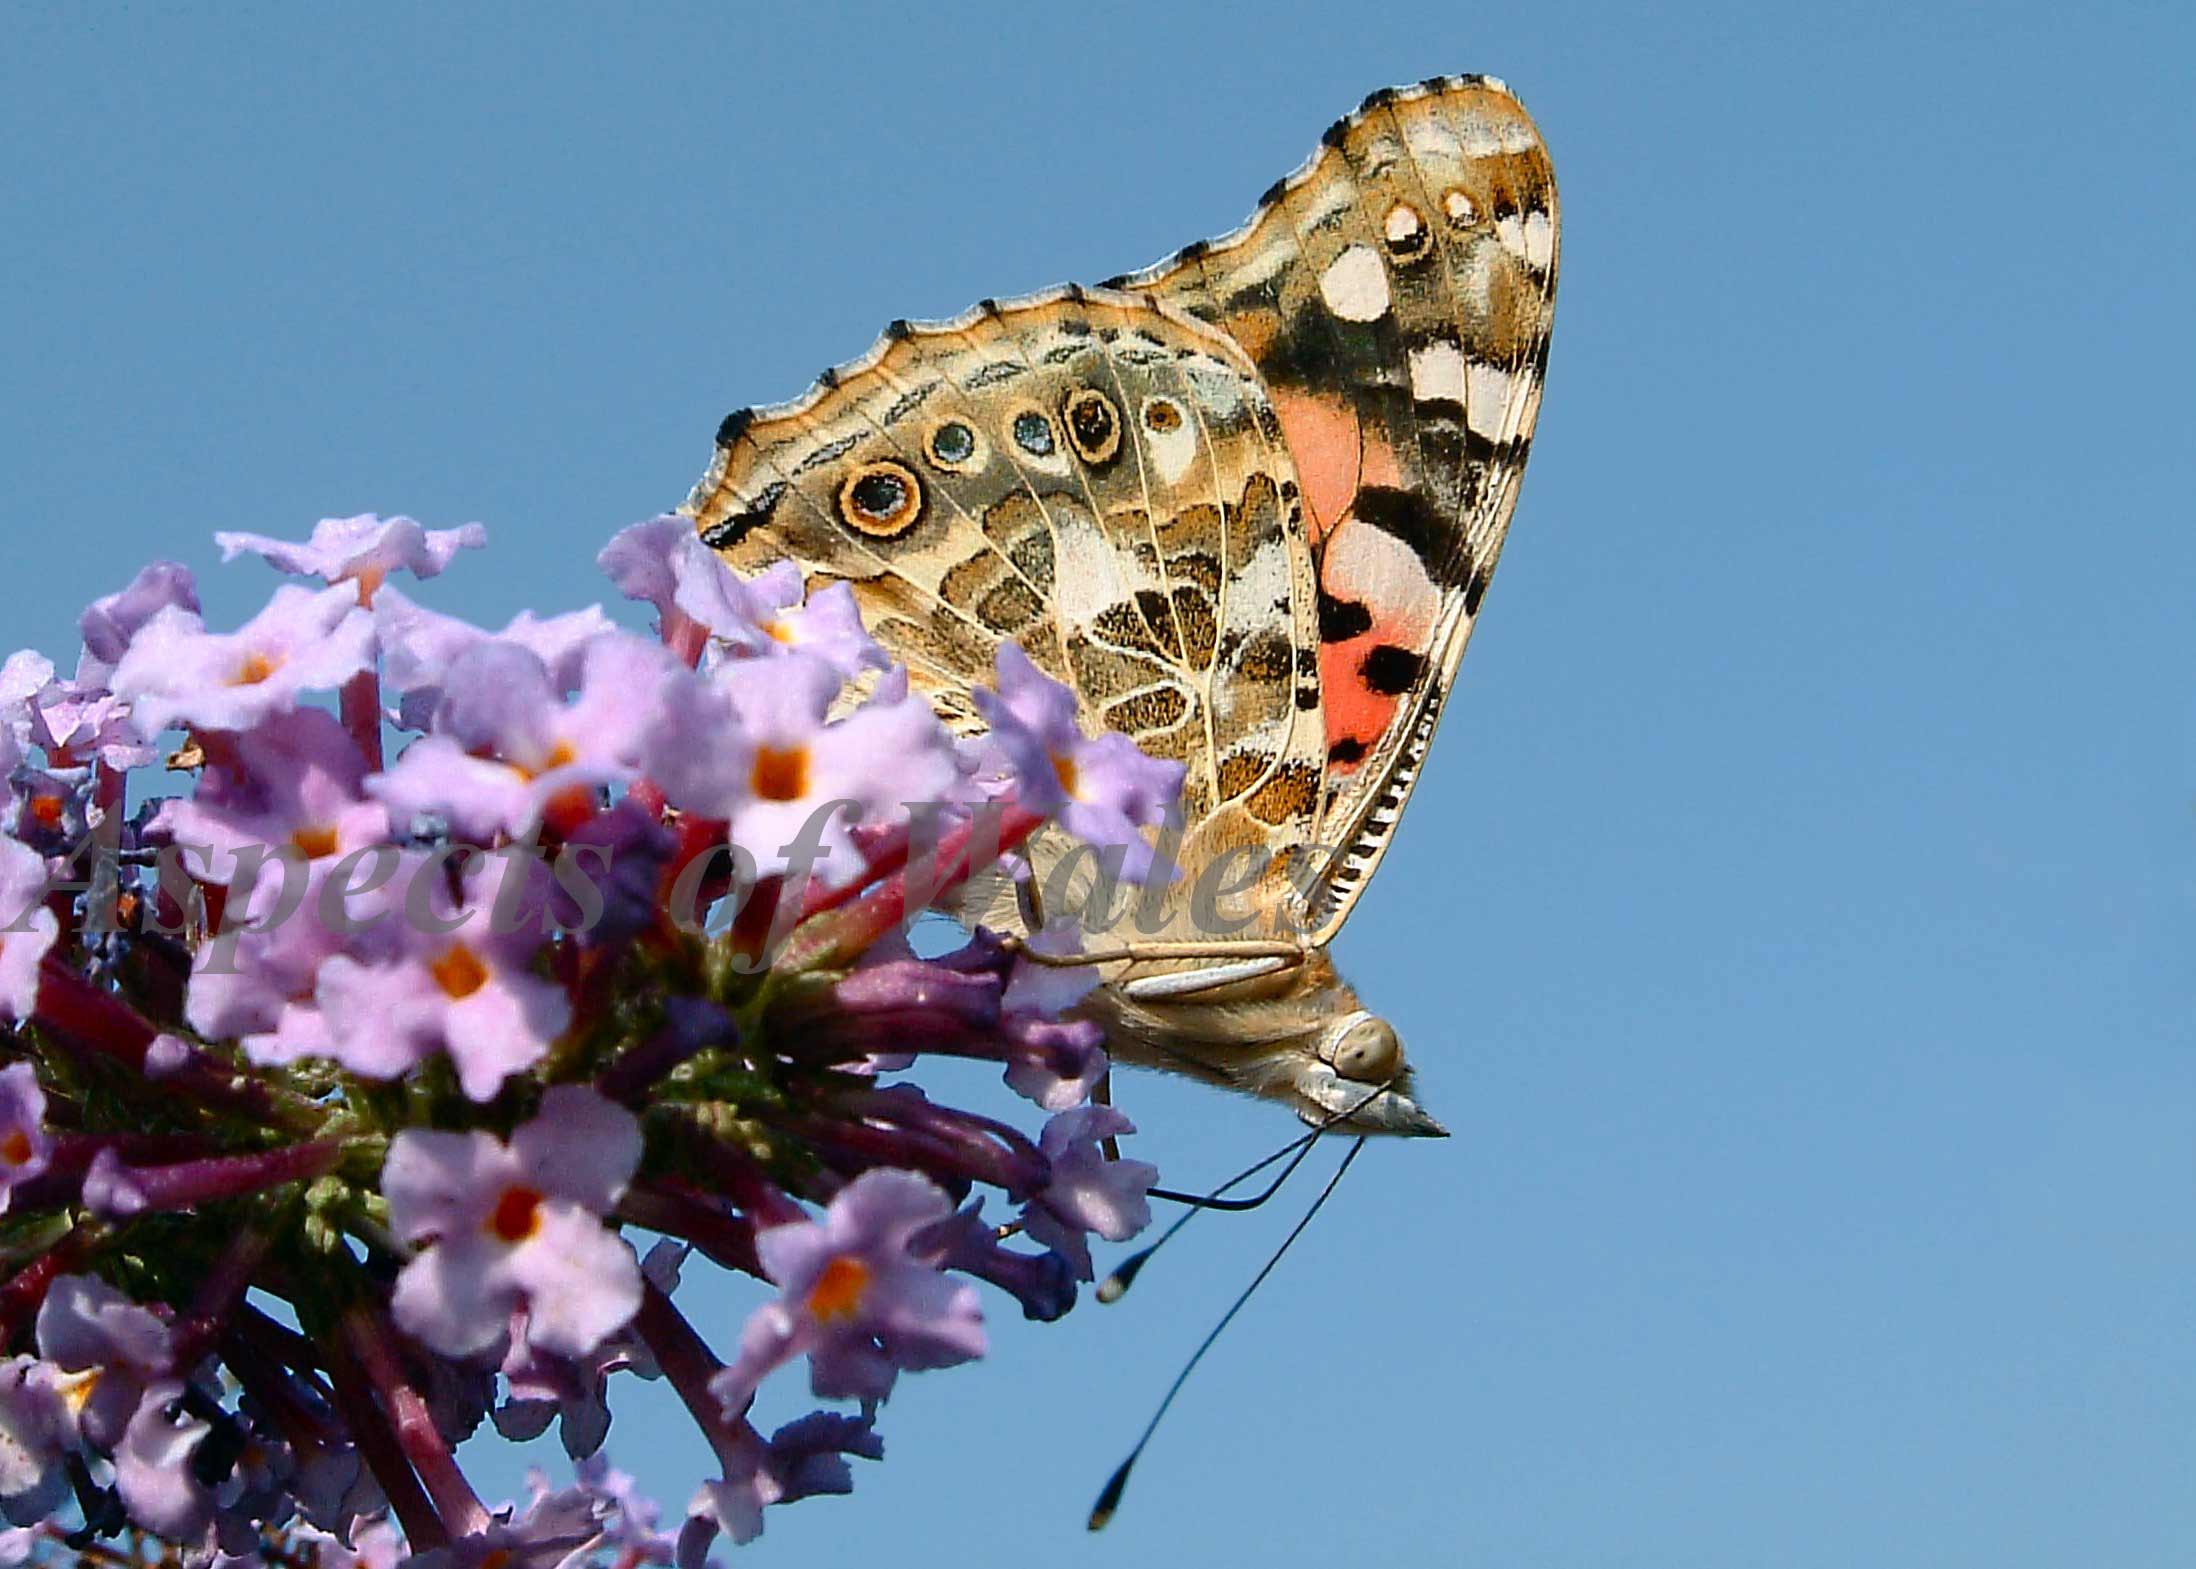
(1488, 390)
(1539, 240)
(1355, 285)
(1437, 371)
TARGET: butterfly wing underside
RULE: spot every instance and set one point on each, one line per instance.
(1395, 295)
(1099, 479)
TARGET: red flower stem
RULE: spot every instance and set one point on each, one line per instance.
(360, 702)
(108, 787)
(191, 1183)
(378, 1443)
(457, 1505)
(675, 1209)
(835, 943)
(96, 1025)
(25, 1290)
(683, 1355)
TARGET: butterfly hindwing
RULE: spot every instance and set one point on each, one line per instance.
(1096, 477)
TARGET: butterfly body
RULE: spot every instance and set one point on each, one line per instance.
(1245, 503)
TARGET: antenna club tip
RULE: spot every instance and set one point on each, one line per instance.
(1109, 1496)
(1100, 1518)
(1112, 1289)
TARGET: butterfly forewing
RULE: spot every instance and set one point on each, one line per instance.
(1395, 294)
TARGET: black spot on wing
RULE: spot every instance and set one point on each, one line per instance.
(1342, 619)
(1406, 515)
(1392, 671)
(1346, 750)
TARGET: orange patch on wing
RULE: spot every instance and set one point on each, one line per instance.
(1364, 566)
(1323, 438)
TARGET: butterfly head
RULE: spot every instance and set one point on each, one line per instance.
(1300, 1037)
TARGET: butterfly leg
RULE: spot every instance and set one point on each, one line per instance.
(1101, 1094)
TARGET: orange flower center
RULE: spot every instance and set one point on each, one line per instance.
(1070, 776)
(459, 972)
(778, 631)
(838, 1291)
(781, 773)
(256, 668)
(46, 810)
(15, 1149)
(517, 1215)
(314, 841)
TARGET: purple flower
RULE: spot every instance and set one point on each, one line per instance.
(362, 550)
(509, 752)
(418, 646)
(804, 1458)
(571, 1390)
(37, 1432)
(177, 673)
(453, 982)
(504, 1226)
(292, 782)
(27, 927)
(24, 1146)
(1054, 1062)
(108, 1352)
(766, 615)
(557, 1531)
(152, 1467)
(1088, 1193)
(858, 1299)
(26, 674)
(1103, 790)
(109, 625)
(883, 754)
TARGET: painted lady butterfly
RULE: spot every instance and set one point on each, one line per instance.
(1246, 503)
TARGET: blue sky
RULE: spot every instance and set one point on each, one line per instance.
(1794, 922)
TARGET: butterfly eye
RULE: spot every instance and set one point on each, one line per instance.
(1368, 1051)
(1094, 430)
(1406, 233)
(952, 445)
(1162, 416)
(881, 500)
(1460, 208)
(1033, 434)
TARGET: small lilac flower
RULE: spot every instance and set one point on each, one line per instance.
(883, 754)
(453, 983)
(803, 1459)
(1103, 790)
(26, 674)
(418, 646)
(572, 1389)
(508, 1225)
(773, 618)
(108, 1351)
(1088, 1193)
(152, 1467)
(177, 673)
(362, 550)
(37, 1432)
(1053, 1061)
(509, 752)
(27, 927)
(557, 1531)
(24, 1144)
(108, 625)
(857, 1299)
(48, 809)
(79, 724)
(291, 782)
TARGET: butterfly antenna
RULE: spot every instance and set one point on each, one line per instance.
(1109, 1496)
(1115, 1286)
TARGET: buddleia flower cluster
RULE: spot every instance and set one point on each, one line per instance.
(394, 1012)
